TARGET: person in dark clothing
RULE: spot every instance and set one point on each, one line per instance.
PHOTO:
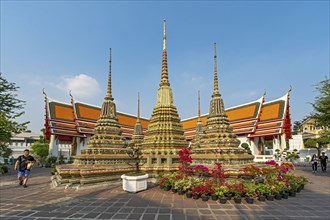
(24, 164)
(323, 161)
(314, 163)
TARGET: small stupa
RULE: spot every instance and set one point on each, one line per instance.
(105, 158)
(137, 137)
(165, 136)
(217, 142)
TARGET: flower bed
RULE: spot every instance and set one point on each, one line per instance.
(273, 181)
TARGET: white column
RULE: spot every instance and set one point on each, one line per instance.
(53, 146)
(283, 142)
(254, 146)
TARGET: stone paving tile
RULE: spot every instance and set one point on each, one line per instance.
(311, 203)
(148, 216)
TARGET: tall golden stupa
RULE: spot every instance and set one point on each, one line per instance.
(165, 136)
(217, 142)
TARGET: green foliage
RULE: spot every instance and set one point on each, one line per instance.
(296, 127)
(10, 109)
(61, 159)
(3, 169)
(311, 143)
(322, 104)
(40, 151)
(292, 155)
(135, 154)
(246, 147)
(52, 159)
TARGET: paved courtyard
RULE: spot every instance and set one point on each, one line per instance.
(38, 201)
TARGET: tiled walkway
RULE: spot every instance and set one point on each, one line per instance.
(38, 201)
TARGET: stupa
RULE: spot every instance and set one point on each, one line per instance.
(217, 142)
(105, 158)
(165, 136)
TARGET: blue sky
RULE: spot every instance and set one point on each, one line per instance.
(59, 45)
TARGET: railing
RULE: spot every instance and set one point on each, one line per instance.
(263, 158)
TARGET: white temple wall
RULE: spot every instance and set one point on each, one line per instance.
(53, 146)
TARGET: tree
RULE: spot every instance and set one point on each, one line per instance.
(10, 109)
(247, 148)
(40, 150)
(296, 127)
(322, 104)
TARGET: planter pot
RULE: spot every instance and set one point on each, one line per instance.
(262, 198)
(249, 200)
(196, 196)
(292, 193)
(188, 194)
(174, 190)
(237, 200)
(299, 189)
(229, 197)
(302, 186)
(134, 183)
(214, 197)
(278, 196)
(205, 198)
(223, 200)
(167, 188)
(181, 192)
(270, 198)
(285, 195)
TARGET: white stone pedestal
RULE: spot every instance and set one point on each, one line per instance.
(134, 183)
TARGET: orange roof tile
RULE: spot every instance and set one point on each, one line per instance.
(63, 112)
(242, 113)
(86, 112)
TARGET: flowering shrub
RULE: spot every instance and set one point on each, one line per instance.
(288, 165)
(183, 184)
(168, 179)
(250, 189)
(201, 170)
(237, 189)
(185, 159)
(252, 170)
(263, 189)
(204, 190)
(271, 162)
(221, 190)
(218, 173)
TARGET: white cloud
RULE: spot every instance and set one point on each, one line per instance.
(81, 86)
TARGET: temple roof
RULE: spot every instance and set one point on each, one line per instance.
(79, 119)
(274, 118)
(254, 119)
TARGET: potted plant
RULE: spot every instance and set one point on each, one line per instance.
(135, 181)
(182, 185)
(262, 191)
(221, 191)
(250, 189)
(238, 190)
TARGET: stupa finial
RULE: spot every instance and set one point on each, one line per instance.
(138, 116)
(109, 92)
(164, 78)
(199, 106)
(164, 35)
(216, 84)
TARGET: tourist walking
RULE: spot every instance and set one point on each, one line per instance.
(323, 161)
(24, 164)
(314, 161)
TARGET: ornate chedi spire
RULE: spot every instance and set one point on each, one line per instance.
(107, 129)
(137, 136)
(165, 132)
(199, 126)
(218, 135)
